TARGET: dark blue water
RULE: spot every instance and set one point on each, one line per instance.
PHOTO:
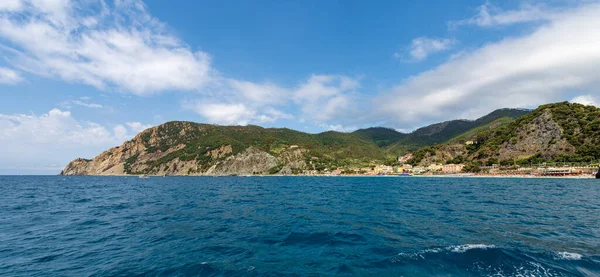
(298, 226)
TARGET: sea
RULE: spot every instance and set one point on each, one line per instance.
(298, 226)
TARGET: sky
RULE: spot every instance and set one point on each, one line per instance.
(79, 77)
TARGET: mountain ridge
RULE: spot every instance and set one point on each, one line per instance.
(566, 132)
(188, 148)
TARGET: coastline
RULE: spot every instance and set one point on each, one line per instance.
(466, 175)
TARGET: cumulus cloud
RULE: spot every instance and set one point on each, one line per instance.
(51, 140)
(271, 114)
(422, 47)
(259, 93)
(137, 127)
(227, 114)
(234, 113)
(319, 99)
(587, 100)
(542, 66)
(9, 76)
(325, 97)
(118, 46)
(10, 5)
(47, 142)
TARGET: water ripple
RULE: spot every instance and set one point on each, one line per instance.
(298, 226)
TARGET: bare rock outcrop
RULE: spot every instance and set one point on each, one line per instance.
(250, 161)
(541, 136)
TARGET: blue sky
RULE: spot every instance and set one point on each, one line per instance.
(78, 77)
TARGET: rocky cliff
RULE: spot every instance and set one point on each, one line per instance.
(186, 148)
(554, 132)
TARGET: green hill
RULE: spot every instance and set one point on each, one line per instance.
(192, 148)
(472, 134)
(553, 132)
(559, 132)
(445, 131)
(381, 136)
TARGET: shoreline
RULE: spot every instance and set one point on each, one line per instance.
(466, 175)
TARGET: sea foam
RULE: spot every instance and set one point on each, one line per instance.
(569, 256)
(466, 247)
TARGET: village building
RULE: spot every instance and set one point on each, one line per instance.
(435, 167)
(452, 168)
(384, 169)
(405, 158)
(336, 172)
(419, 170)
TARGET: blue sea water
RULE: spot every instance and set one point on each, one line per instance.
(298, 226)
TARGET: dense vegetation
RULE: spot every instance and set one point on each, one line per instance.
(445, 131)
(332, 149)
(579, 124)
(187, 141)
(381, 136)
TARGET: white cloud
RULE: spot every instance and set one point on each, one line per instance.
(86, 104)
(226, 114)
(51, 140)
(587, 100)
(11, 5)
(339, 128)
(261, 94)
(120, 132)
(422, 47)
(489, 15)
(9, 76)
(319, 99)
(137, 127)
(270, 114)
(326, 97)
(120, 46)
(542, 66)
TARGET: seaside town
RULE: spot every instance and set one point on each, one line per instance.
(437, 169)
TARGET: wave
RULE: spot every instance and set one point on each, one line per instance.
(455, 249)
(466, 247)
(490, 260)
(569, 256)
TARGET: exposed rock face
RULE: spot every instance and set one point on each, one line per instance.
(553, 131)
(543, 135)
(141, 154)
(78, 166)
(220, 152)
(251, 161)
(294, 160)
(110, 162)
